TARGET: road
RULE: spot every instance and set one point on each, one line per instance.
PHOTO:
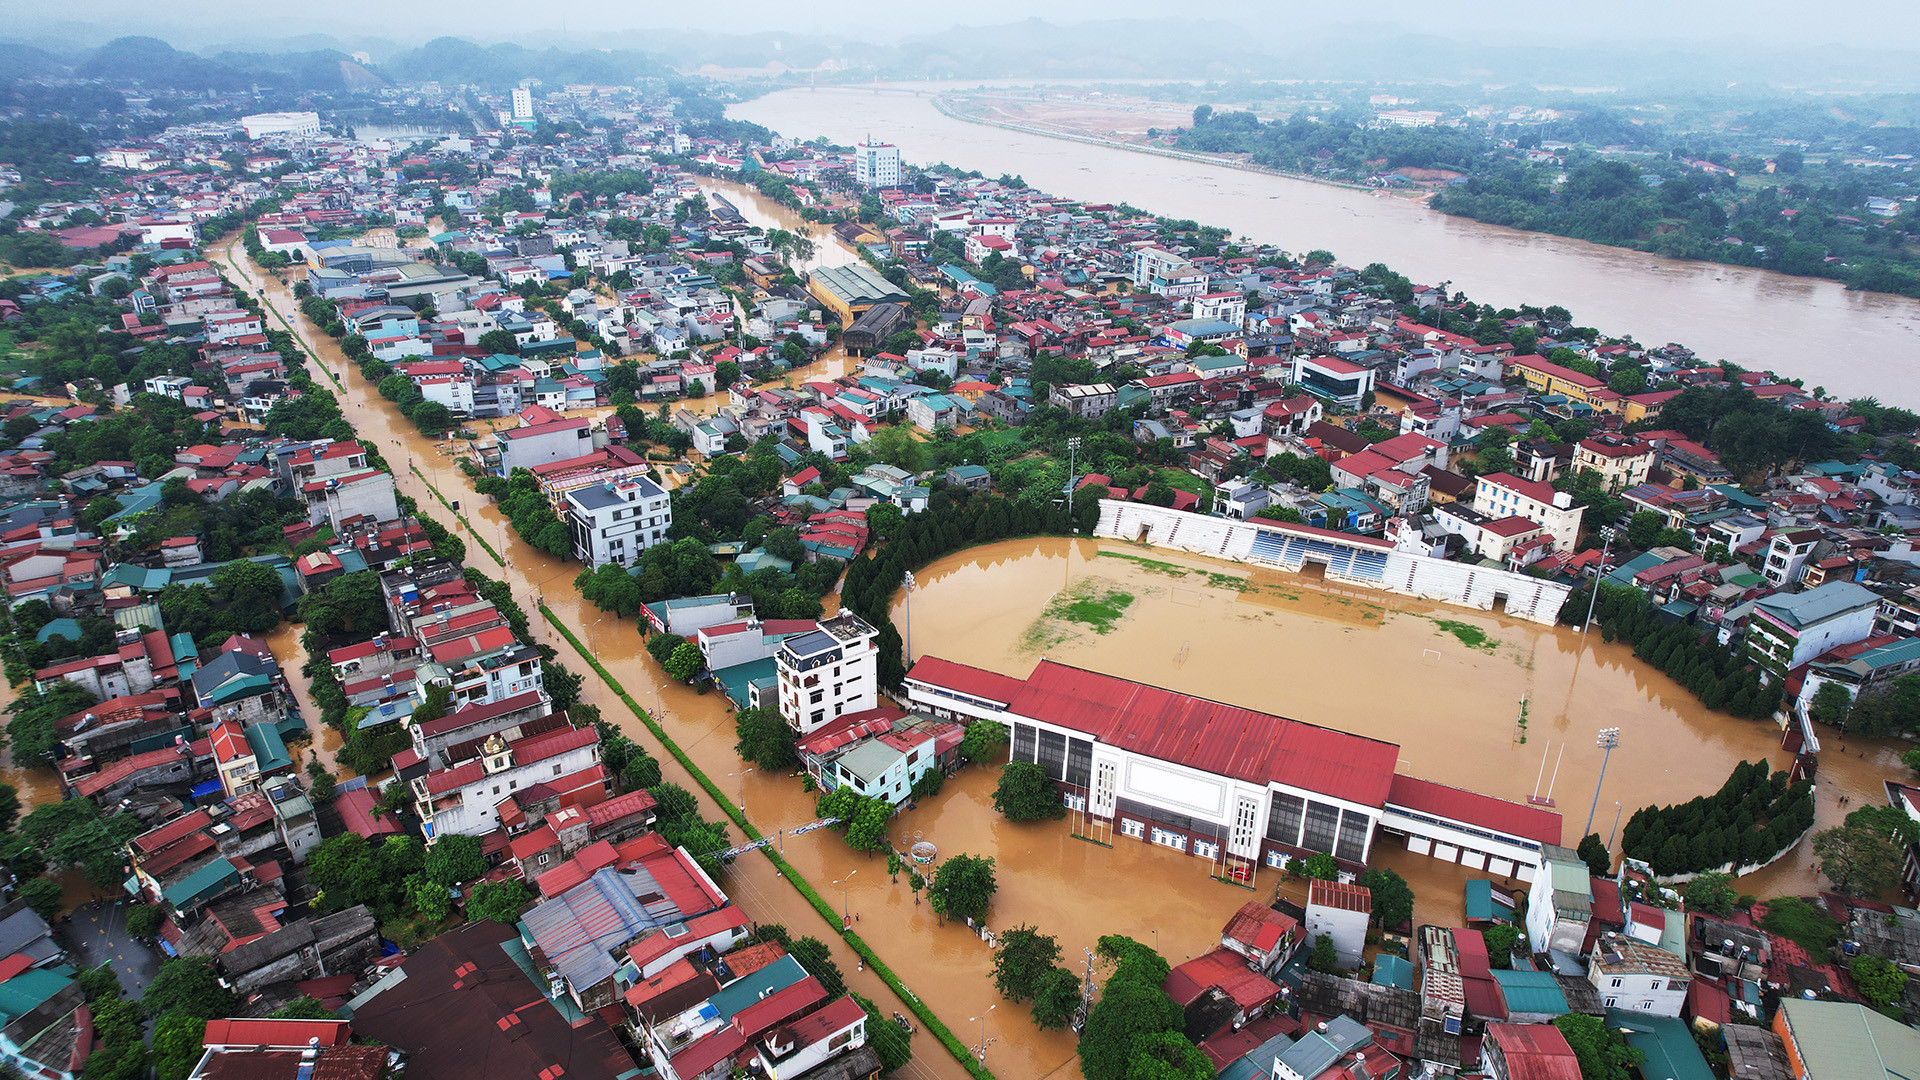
(753, 882)
(96, 933)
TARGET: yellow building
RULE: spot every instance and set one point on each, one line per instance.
(1546, 377)
(849, 290)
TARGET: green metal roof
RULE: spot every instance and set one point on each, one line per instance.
(269, 749)
(1532, 992)
(1481, 906)
(1844, 1041)
(202, 883)
(1671, 1052)
(30, 989)
(1391, 970)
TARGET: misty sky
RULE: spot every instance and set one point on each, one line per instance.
(1765, 23)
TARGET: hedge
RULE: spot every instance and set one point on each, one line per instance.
(960, 1051)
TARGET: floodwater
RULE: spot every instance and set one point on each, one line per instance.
(284, 643)
(1074, 889)
(1853, 343)
(1382, 666)
(765, 213)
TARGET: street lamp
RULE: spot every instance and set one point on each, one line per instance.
(1606, 544)
(907, 583)
(983, 1031)
(742, 774)
(846, 909)
(1609, 738)
(1073, 449)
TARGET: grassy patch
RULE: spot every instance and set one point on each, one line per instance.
(1155, 566)
(1470, 635)
(1182, 480)
(1091, 602)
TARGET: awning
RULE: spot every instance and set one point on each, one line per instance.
(202, 790)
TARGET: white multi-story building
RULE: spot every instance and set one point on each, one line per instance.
(522, 103)
(1560, 902)
(615, 522)
(876, 165)
(1637, 977)
(1499, 495)
(831, 671)
(465, 799)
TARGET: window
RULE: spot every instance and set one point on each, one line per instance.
(1206, 849)
(1615, 982)
(556, 770)
(1130, 827)
(1322, 823)
(544, 859)
(1654, 985)
(1647, 1005)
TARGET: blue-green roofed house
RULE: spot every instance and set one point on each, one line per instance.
(1485, 904)
(1533, 997)
(269, 749)
(1257, 1064)
(138, 578)
(203, 885)
(1391, 970)
(1669, 1047)
(37, 1032)
(66, 628)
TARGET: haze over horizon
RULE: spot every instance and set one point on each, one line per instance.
(1757, 26)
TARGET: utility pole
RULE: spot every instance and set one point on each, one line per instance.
(906, 582)
(1073, 451)
(1606, 544)
(1609, 738)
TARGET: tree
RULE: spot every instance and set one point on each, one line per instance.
(1168, 1055)
(501, 342)
(1056, 997)
(498, 901)
(1801, 922)
(867, 828)
(892, 1043)
(1501, 938)
(1857, 859)
(1026, 794)
(963, 887)
(188, 986)
(763, 738)
(9, 806)
(1879, 981)
(685, 662)
(1593, 851)
(1712, 893)
(428, 899)
(455, 859)
(986, 740)
(1322, 866)
(34, 714)
(303, 1008)
(673, 803)
(1643, 527)
(1022, 958)
(44, 896)
(1603, 1052)
(1392, 896)
(143, 920)
(177, 1046)
(1126, 1012)
(1831, 704)
(1323, 956)
(816, 959)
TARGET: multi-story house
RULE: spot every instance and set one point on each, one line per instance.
(1499, 495)
(1787, 630)
(615, 522)
(1637, 977)
(465, 799)
(831, 671)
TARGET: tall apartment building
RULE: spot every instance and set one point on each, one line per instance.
(876, 165)
(522, 103)
(615, 522)
(832, 671)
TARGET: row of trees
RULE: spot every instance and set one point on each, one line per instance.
(1753, 816)
(1135, 1029)
(1715, 673)
(526, 506)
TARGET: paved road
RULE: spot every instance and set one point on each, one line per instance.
(96, 933)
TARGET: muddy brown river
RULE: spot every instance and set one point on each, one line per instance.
(1853, 343)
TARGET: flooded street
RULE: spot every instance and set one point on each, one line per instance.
(1278, 645)
(1854, 343)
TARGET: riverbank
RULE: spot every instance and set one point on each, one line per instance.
(947, 107)
(1854, 344)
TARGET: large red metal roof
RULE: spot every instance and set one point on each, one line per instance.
(1454, 804)
(972, 681)
(1209, 736)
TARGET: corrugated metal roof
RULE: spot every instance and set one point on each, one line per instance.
(1209, 736)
